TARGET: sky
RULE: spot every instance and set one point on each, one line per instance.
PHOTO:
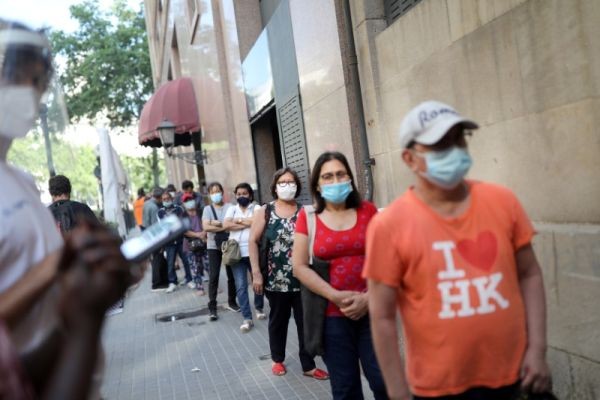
(52, 13)
(55, 14)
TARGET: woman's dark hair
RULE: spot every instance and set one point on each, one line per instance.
(246, 186)
(353, 200)
(278, 174)
(215, 184)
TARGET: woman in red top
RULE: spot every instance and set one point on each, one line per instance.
(341, 224)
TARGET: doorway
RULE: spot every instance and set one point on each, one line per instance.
(267, 152)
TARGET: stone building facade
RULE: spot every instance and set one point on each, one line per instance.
(275, 86)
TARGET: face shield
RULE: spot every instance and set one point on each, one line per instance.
(28, 89)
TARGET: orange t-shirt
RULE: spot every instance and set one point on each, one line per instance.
(458, 291)
(138, 210)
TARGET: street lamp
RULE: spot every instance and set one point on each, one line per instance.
(166, 131)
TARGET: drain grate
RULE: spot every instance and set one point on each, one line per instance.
(178, 315)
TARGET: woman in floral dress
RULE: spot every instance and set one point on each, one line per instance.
(281, 288)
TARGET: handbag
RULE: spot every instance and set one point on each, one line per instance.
(197, 245)
(314, 306)
(231, 252)
(220, 237)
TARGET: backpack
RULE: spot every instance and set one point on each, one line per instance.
(64, 216)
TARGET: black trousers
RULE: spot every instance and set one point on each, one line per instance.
(214, 268)
(502, 393)
(281, 305)
(159, 269)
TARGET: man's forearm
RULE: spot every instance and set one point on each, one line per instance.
(385, 341)
(72, 376)
(16, 301)
(534, 299)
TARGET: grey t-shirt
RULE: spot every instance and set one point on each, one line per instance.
(207, 215)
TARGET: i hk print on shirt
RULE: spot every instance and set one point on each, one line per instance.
(453, 285)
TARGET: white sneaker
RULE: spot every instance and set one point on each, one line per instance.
(191, 285)
(260, 314)
(246, 326)
(171, 288)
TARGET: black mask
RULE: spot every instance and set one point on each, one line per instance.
(243, 201)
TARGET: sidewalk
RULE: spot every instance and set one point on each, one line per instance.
(194, 358)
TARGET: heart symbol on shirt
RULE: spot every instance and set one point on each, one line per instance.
(481, 252)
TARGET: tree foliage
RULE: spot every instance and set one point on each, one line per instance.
(77, 163)
(107, 67)
(139, 170)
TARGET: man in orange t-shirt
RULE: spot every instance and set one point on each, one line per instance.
(138, 206)
(454, 256)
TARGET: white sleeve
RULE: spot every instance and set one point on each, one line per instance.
(229, 213)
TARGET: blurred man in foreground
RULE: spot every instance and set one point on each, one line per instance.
(52, 302)
(454, 256)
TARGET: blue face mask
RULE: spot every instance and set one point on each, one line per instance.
(336, 193)
(446, 168)
(190, 204)
(216, 197)
(167, 203)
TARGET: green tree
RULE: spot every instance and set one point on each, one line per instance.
(75, 162)
(139, 170)
(78, 164)
(107, 70)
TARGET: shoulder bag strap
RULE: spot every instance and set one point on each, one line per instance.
(268, 209)
(214, 212)
(311, 223)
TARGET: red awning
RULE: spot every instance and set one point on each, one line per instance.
(176, 102)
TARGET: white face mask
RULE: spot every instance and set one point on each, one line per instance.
(286, 192)
(18, 110)
(190, 205)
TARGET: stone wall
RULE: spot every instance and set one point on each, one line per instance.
(529, 72)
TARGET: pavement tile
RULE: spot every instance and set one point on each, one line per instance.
(147, 359)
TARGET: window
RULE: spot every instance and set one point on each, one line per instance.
(193, 17)
(394, 9)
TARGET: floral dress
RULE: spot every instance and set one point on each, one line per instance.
(280, 236)
(195, 260)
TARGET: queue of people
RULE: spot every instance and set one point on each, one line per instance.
(452, 256)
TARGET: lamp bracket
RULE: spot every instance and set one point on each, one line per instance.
(198, 157)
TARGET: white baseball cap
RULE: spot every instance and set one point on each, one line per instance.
(428, 122)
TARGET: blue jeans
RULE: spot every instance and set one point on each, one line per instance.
(347, 343)
(240, 274)
(173, 250)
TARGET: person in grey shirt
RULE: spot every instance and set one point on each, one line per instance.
(157, 260)
(212, 222)
(150, 210)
